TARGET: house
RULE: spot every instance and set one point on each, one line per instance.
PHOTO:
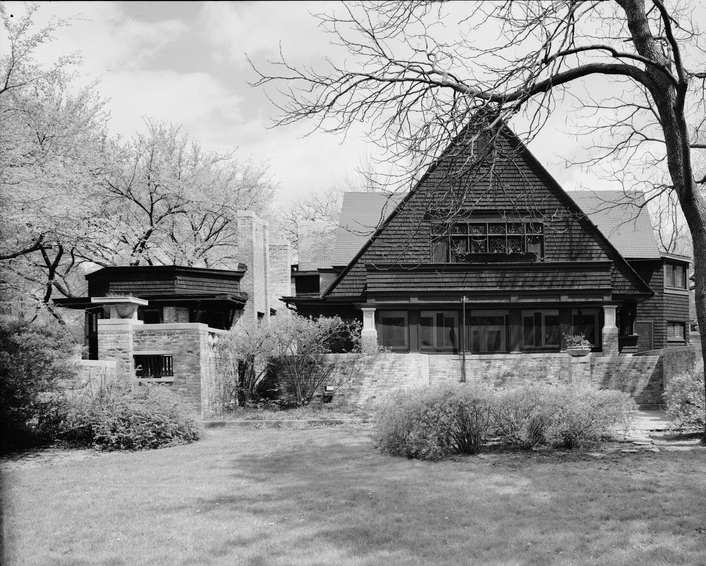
(488, 255)
(159, 324)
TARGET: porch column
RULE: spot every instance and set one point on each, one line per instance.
(609, 336)
(369, 334)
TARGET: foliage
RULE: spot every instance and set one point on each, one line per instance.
(576, 341)
(33, 359)
(434, 422)
(684, 396)
(299, 346)
(124, 417)
(284, 356)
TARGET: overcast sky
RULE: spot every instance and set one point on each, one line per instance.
(185, 63)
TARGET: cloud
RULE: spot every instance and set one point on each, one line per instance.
(198, 101)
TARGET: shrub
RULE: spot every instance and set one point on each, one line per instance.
(432, 423)
(435, 422)
(122, 417)
(584, 416)
(34, 358)
(684, 396)
(283, 359)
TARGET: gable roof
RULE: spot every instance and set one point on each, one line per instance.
(624, 220)
(456, 154)
(621, 217)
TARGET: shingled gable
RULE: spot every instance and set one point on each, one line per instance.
(520, 169)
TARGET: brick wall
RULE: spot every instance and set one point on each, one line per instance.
(280, 277)
(362, 380)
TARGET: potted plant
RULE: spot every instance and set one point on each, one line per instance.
(577, 345)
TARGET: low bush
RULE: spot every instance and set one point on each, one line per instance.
(684, 397)
(120, 417)
(34, 358)
(432, 423)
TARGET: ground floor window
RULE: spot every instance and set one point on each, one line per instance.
(153, 366)
(393, 329)
(586, 322)
(488, 332)
(676, 331)
(438, 330)
(540, 329)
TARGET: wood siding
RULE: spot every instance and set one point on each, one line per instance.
(515, 184)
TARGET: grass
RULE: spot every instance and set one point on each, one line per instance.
(325, 496)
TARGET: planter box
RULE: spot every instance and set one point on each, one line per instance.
(578, 351)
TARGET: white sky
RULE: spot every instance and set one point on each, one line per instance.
(185, 63)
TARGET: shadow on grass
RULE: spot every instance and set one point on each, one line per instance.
(341, 502)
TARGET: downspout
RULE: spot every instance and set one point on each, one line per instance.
(463, 339)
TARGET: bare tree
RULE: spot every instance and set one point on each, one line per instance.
(416, 90)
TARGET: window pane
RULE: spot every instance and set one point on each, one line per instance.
(585, 321)
(460, 228)
(551, 330)
(459, 248)
(515, 228)
(479, 245)
(535, 245)
(438, 229)
(675, 331)
(528, 330)
(515, 244)
(426, 330)
(496, 228)
(535, 228)
(497, 245)
(477, 229)
(440, 250)
(394, 329)
(679, 276)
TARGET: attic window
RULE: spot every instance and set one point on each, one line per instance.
(458, 242)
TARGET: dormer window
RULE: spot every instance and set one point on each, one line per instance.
(460, 242)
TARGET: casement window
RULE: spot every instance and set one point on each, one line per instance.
(586, 323)
(540, 329)
(676, 331)
(488, 332)
(438, 331)
(153, 366)
(459, 241)
(675, 275)
(393, 329)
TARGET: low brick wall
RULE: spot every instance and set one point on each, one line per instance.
(92, 373)
(192, 347)
(363, 380)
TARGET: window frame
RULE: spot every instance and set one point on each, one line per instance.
(676, 323)
(435, 347)
(379, 325)
(670, 276)
(544, 313)
(467, 231)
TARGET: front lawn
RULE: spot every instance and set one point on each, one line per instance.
(325, 496)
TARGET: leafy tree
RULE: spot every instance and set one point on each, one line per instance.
(50, 154)
(169, 201)
(417, 89)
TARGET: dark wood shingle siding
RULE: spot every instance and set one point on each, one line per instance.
(516, 186)
(505, 278)
(652, 308)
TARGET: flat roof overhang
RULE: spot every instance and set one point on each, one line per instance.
(161, 300)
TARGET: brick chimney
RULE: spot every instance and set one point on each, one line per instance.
(253, 250)
(280, 276)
